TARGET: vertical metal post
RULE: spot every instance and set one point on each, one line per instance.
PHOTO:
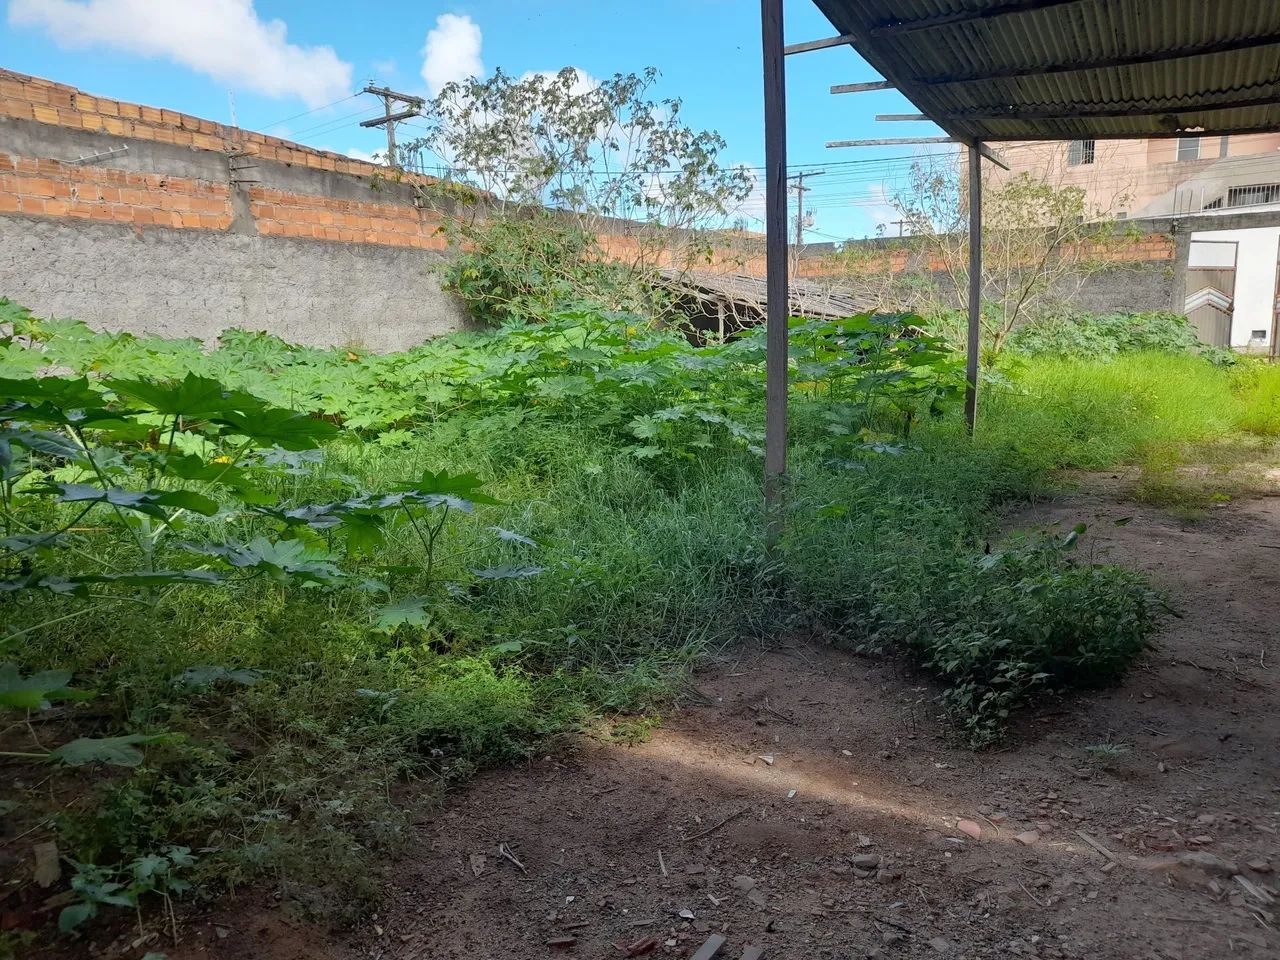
(775, 193)
(975, 286)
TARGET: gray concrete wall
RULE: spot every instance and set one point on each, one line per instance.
(1129, 288)
(197, 283)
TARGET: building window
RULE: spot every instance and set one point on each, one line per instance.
(1081, 152)
(1253, 195)
(1189, 148)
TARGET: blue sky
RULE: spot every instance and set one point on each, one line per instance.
(282, 58)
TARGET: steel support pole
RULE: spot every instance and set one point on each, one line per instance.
(974, 346)
(775, 173)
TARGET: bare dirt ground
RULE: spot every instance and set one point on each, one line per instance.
(807, 802)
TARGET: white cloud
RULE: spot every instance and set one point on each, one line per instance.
(355, 153)
(452, 52)
(583, 82)
(224, 39)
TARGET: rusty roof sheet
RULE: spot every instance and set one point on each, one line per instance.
(808, 298)
(1075, 69)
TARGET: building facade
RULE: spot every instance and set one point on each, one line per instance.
(1232, 293)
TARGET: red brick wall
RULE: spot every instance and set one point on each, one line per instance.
(33, 98)
(281, 214)
(50, 188)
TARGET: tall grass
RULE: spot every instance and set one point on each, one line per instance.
(1059, 412)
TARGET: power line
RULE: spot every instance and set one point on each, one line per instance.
(306, 113)
(328, 125)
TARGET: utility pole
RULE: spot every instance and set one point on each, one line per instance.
(413, 108)
(800, 189)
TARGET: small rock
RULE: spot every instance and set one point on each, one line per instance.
(1259, 865)
(1209, 863)
(686, 914)
(970, 828)
(866, 861)
(1027, 837)
(864, 841)
(941, 944)
(892, 936)
(744, 883)
(222, 932)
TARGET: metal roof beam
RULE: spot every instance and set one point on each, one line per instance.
(1123, 109)
(806, 47)
(985, 150)
(901, 117)
(1102, 63)
(862, 87)
(890, 141)
(900, 27)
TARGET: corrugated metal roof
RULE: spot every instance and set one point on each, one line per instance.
(1075, 69)
(808, 299)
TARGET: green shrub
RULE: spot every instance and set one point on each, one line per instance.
(1094, 336)
(1024, 619)
(525, 268)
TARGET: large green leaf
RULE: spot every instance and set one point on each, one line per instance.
(460, 492)
(149, 502)
(61, 393)
(43, 441)
(76, 914)
(36, 691)
(284, 428)
(411, 611)
(283, 560)
(194, 397)
(193, 467)
(113, 751)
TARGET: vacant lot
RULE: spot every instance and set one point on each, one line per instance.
(826, 779)
(476, 647)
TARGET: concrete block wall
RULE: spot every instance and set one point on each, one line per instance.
(194, 227)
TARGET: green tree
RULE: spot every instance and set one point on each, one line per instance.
(1041, 243)
(560, 173)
